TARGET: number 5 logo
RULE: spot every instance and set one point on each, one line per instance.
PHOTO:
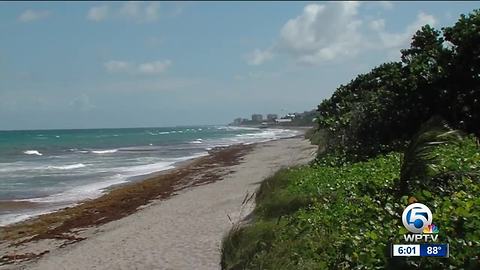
(416, 217)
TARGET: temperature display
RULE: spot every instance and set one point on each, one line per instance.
(434, 250)
(422, 250)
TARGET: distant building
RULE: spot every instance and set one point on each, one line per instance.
(237, 121)
(285, 120)
(257, 117)
(271, 117)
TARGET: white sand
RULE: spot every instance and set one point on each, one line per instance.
(185, 231)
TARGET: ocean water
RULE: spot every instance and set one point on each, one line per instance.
(44, 170)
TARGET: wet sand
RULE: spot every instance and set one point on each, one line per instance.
(174, 220)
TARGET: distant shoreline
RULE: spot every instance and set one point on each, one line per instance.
(275, 126)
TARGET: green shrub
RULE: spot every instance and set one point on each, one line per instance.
(343, 211)
(351, 213)
(379, 111)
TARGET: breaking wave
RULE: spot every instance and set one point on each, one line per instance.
(33, 152)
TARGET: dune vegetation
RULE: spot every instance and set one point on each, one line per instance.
(406, 131)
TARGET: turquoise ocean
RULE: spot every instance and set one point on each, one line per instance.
(52, 169)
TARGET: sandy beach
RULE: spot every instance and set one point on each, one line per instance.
(181, 229)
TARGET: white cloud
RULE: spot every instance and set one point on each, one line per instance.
(334, 31)
(31, 15)
(117, 66)
(131, 11)
(98, 13)
(397, 41)
(258, 57)
(323, 32)
(377, 25)
(154, 67)
(149, 68)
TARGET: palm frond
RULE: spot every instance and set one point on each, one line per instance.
(418, 159)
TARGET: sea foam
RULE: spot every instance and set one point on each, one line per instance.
(78, 193)
(68, 167)
(33, 152)
(108, 151)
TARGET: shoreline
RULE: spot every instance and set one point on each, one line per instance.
(221, 156)
(21, 211)
(20, 242)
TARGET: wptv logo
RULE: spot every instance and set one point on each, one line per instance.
(417, 219)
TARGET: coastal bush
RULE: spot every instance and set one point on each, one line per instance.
(343, 211)
(273, 200)
(314, 136)
(381, 110)
(354, 212)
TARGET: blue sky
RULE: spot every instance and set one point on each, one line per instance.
(133, 64)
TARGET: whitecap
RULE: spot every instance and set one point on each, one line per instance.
(68, 167)
(33, 152)
(108, 151)
(197, 141)
(147, 168)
